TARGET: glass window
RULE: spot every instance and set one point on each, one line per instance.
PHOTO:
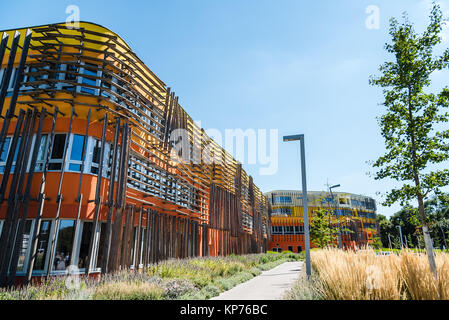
(70, 76)
(74, 167)
(54, 74)
(12, 79)
(4, 153)
(76, 155)
(142, 243)
(58, 146)
(64, 244)
(89, 70)
(43, 144)
(106, 83)
(17, 150)
(57, 152)
(32, 78)
(41, 153)
(42, 244)
(97, 151)
(77, 147)
(133, 245)
(282, 199)
(24, 245)
(96, 156)
(84, 246)
(101, 254)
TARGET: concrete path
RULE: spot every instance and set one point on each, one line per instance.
(270, 285)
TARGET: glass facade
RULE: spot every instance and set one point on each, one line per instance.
(57, 152)
(25, 246)
(64, 244)
(84, 245)
(77, 155)
(42, 244)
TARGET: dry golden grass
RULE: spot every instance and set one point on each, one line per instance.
(363, 275)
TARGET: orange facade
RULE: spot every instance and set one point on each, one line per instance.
(102, 169)
(354, 216)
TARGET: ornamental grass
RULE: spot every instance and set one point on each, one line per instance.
(366, 275)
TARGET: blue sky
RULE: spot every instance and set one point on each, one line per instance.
(296, 66)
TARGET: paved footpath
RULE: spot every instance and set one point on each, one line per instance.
(270, 285)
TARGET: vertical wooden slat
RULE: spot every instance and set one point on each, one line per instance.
(137, 258)
(26, 197)
(98, 197)
(41, 199)
(107, 241)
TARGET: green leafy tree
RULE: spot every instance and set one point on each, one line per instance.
(410, 124)
(322, 232)
(385, 228)
(377, 242)
(409, 240)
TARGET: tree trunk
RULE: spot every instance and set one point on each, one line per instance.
(422, 214)
(427, 238)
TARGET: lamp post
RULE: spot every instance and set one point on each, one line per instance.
(444, 237)
(400, 236)
(340, 245)
(300, 137)
(389, 241)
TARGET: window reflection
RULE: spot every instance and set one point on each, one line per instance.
(41, 153)
(77, 155)
(64, 244)
(101, 253)
(57, 152)
(84, 246)
(77, 147)
(70, 76)
(4, 154)
(24, 245)
(87, 71)
(44, 234)
(96, 156)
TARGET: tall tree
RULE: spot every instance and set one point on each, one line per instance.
(412, 117)
(385, 228)
(322, 231)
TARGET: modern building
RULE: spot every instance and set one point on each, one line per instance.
(91, 170)
(354, 214)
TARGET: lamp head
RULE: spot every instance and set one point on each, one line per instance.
(293, 137)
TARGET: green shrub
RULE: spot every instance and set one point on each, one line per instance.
(210, 291)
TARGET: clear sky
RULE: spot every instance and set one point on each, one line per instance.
(296, 66)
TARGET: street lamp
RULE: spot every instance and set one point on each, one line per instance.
(400, 236)
(444, 237)
(389, 241)
(340, 245)
(300, 137)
